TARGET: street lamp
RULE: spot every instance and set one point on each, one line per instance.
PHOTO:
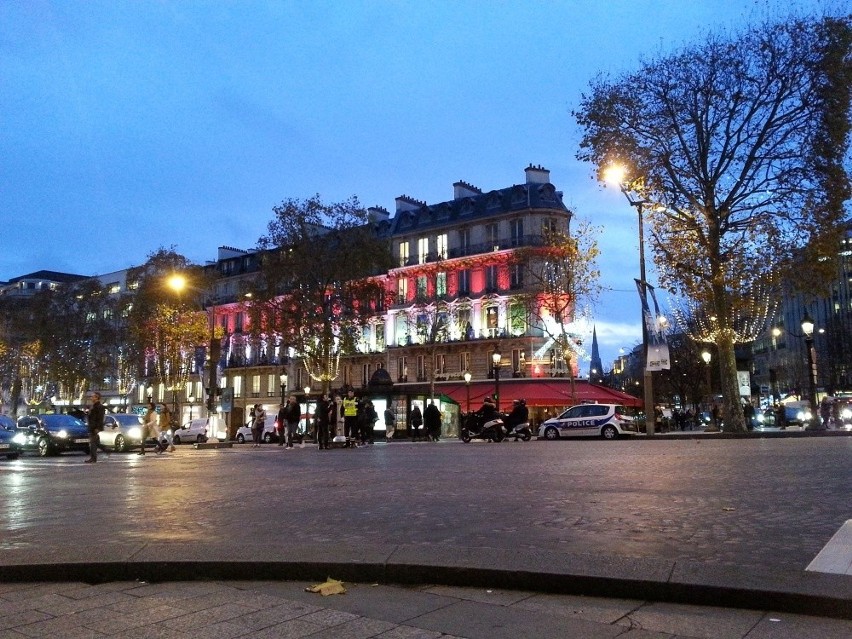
(706, 356)
(467, 377)
(283, 378)
(495, 360)
(615, 175)
(191, 400)
(808, 332)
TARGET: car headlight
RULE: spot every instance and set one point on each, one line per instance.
(846, 413)
(761, 418)
(62, 434)
(20, 438)
(135, 432)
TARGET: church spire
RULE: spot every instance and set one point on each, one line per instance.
(595, 365)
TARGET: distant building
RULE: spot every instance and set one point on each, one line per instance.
(29, 285)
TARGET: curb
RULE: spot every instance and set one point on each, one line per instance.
(758, 588)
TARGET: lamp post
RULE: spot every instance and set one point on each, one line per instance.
(495, 360)
(808, 332)
(467, 377)
(706, 356)
(283, 378)
(191, 400)
(615, 175)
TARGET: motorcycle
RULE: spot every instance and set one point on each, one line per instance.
(474, 427)
(518, 431)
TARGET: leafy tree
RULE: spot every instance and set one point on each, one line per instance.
(562, 282)
(737, 148)
(20, 372)
(321, 278)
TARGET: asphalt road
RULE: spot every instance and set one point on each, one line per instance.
(769, 502)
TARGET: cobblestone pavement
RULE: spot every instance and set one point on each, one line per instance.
(767, 502)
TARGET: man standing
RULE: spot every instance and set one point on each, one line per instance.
(292, 417)
(96, 425)
(432, 422)
(390, 423)
(350, 418)
(416, 421)
(321, 420)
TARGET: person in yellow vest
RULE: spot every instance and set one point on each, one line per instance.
(350, 417)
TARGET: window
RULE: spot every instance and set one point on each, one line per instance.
(421, 368)
(366, 372)
(516, 274)
(422, 286)
(491, 320)
(516, 231)
(402, 290)
(255, 385)
(239, 323)
(491, 237)
(549, 225)
(380, 337)
(517, 319)
(403, 253)
(464, 362)
(441, 284)
(401, 370)
(491, 278)
(441, 246)
(272, 385)
(464, 241)
(464, 282)
(440, 364)
(238, 386)
(422, 250)
(114, 288)
(519, 362)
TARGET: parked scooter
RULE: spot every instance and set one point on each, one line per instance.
(475, 428)
(520, 431)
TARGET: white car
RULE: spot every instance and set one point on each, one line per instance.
(270, 434)
(122, 431)
(194, 431)
(609, 421)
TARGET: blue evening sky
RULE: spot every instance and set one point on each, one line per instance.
(130, 125)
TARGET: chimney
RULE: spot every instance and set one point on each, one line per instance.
(537, 175)
(378, 214)
(462, 189)
(405, 203)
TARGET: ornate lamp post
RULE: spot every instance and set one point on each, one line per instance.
(467, 377)
(706, 356)
(283, 379)
(191, 400)
(495, 360)
(615, 175)
(808, 332)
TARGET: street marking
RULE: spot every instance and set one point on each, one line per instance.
(836, 555)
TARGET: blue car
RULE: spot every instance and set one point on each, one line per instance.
(8, 446)
(52, 434)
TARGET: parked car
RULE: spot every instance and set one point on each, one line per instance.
(122, 431)
(52, 434)
(609, 421)
(194, 431)
(270, 433)
(8, 446)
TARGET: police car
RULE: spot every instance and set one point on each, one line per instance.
(609, 421)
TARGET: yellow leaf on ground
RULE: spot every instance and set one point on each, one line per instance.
(329, 587)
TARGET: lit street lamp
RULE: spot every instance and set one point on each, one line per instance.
(283, 379)
(808, 332)
(615, 175)
(713, 427)
(467, 377)
(495, 360)
(191, 400)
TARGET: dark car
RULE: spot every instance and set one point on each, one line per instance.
(8, 446)
(53, 434)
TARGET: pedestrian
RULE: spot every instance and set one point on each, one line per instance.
(96, 425)
(780, 416)
(165, 430)
(292, 415)
(322, 417)
(825, 412)
(350, 418)
(281, 423)
(370, 419)
(257, 425)
(416, 421)
(714, 416)
(749, 415)
(432, 421)
(149, 427)
(390, 423)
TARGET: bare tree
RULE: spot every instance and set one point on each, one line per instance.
(737, 146)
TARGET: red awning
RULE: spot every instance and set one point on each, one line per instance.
(545, 391)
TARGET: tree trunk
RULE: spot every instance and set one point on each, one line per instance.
(732, 411)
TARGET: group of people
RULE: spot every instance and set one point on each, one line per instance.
(154, 426)
(430, 421)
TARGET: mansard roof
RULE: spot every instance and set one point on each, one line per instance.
(519, 197)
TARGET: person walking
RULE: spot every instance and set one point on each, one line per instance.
(416, 421)
(149, 427)
(164, 429)
(322, 417)
(96, 425)
(281, 423)
(432, 421)
(293, 414)
(370, 419)
(257, 425)
(350, 418)
(390, 423)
